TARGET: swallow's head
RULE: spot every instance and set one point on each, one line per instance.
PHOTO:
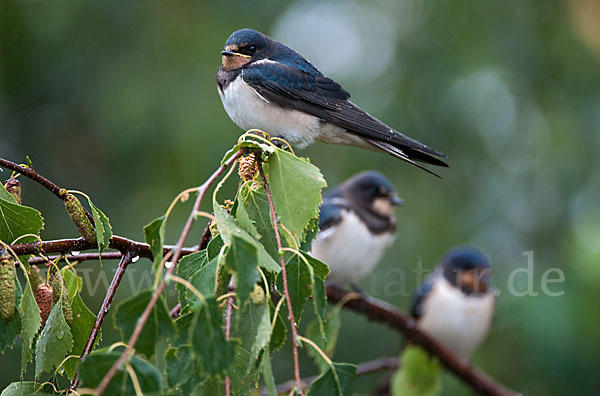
(468, 269)
(243, 47)
(372, 191)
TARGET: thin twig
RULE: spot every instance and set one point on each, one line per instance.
(382, 363)
(383, 312)
(33, 175)
(176, 255)
(126, 259)
(228, 311)
(283, 276)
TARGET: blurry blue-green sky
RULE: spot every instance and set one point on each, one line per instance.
(118, 99)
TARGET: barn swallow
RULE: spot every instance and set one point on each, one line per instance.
(266, 85)
(455, 304)
(356, 226)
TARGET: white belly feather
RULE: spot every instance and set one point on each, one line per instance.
(459, 321)
(350, 250)
(249, 110)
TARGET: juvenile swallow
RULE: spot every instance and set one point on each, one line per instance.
(455, 304)
(356, 226)
(266, 85)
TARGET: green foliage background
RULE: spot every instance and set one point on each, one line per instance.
(118, 99)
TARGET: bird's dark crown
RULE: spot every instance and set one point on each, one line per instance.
(372, 192)
(369, 185)
(247, 42)
(467, 268)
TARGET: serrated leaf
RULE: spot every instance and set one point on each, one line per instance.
(17, 220)
(337, 380)
(54, 343)
(93, 369)
(158, 327)
(102, 225)
(253, 328)
(267, 373)
(31, 324)
(419, 374)
(83, 322)
(299, 281)
(9, 331)
(154, 233)
(208, 338)
(325, 335)
(320, 272)
(182, 369)
(200, 273)
(296, 186)
(5, 195)
(257, 208)
(27, 388)
(242, 258)
(278, 335)
(72, 281)
(214, 247)
(228, 227)
(241, 215)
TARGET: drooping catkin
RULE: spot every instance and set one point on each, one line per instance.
(8, 286)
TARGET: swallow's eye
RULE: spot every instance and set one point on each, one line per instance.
(252, 49)
(374, 191)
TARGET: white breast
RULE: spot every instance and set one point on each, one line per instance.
(249, 110)
(350, 250)
(459, 321)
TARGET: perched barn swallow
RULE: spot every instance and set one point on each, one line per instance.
(266, 85)
(356, 226)
(455, 304)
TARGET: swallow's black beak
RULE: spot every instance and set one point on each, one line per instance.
(397, 201)
(227, 53)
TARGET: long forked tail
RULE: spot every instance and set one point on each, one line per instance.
(410, 155)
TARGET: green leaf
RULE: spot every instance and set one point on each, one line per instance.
(158, 327)
(267, 373)
(257, 208)
(278, 335)
(5, 195)
(320, 271)
(299, 280)
(27, 388)
(214, 247)
(337, 380)
(31, 324)
(296, 187)
(72, 281)
(242, 258)
(154, 233)
(201, 273)
(102, 225)
(95, 366)
(241, 215)
(9, 331)
(183, 370)
(419, 374)
(83, 322)
(17, 220)
(54, 343)
(325, 335)
(254, 330)
(208, 338)
(228, 227)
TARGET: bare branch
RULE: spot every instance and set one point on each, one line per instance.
(126, 259)
(283, 276)
(383, 312)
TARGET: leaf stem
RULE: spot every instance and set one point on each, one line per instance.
(283, 276)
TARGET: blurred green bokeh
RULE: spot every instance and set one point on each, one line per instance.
(118, 99)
